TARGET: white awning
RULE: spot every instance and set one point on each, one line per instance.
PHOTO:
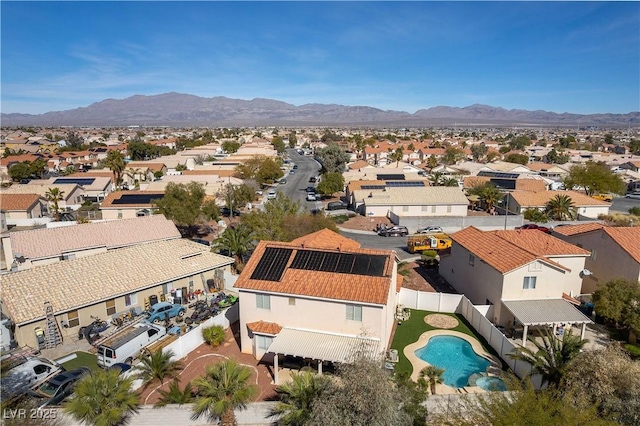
(323, 346)
(545, 312)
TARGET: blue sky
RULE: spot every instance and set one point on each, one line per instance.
(579, 57)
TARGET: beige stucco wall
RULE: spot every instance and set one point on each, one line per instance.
(127, 213)
(440, 210)
(482, 282)
(610, 260)
(313, 314)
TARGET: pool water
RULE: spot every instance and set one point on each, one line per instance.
(455, 356)
(491, 384)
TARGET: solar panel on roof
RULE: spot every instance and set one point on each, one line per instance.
(499, 175)
(406, 183)
(272, 264)
(137, 198)
(74, 181)
(372, 187)
(344, 263)
(390, 177)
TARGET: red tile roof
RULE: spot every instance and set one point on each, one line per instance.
(328, 239)
(509, 250)
(627, 237)
(264, 327)
(569, 230)
(326, 285)
(18, 202)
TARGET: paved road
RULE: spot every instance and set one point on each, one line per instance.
(622, 205)
(296, 185)
(373, 241)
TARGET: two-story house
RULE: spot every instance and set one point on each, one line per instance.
(320, 297)
(524, 275)
(615, 252)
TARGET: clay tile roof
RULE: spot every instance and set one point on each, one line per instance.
(399, 281)
(570, 299)
(533, 185)
(569, 230)
(325, 238)
(358, 165)
(472, 181)
(540, 199)
(109, 199)
(221, 173)
(17, 202)
(155, 167)
(264, 327)
(541, 243)
(509, 250)
(627, 238)
(320, 284)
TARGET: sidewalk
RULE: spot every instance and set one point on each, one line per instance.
(356, 231)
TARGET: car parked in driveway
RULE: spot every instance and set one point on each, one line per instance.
(271, 195)
(394, 231)
(165, 310)
(534, 226)
(311, 196)
(60, 386)
(430, 230)
(336, 205)
(224, 211)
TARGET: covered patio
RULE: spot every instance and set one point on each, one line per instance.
(546, 312)
(321, 347)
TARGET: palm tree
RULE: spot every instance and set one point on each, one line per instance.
(491, 195)
(54, 196)
(237, 240)
(436, 178)
(296, 397)
(450, 181)
(561, 207)
(433, 375)
(115, 162)
(397, 156)
(223, 388)
(174, 395)
(158, 365)
(551, 355)
(103, 398)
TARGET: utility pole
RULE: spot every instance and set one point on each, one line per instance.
(506, 211)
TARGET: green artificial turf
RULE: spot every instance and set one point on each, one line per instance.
(409, 331)
(82, 359)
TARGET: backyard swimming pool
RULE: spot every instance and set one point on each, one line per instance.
(491, 384)
(455, 356)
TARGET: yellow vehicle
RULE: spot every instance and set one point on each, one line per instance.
(421, 242)
(604, 197)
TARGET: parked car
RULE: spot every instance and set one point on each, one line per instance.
(126, 345)
(60, 386)
(121, 367)
(164, 310)
(312, 179)
(25, 373)
(394, 231)
(534, 226)
(283, 181)
(291, 172)
(224, 211)
(295, 166)
(271, 195)
(311, 196)
(336, 205)
(430, 230)
(311, 189)
(604, 197)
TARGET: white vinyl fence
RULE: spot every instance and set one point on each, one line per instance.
(476, 316)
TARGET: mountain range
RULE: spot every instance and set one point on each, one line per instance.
(178, 109)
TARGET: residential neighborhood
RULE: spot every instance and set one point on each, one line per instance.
(111, 254)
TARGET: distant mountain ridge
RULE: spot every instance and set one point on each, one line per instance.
(178, 109)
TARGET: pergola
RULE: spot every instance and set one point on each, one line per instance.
(339, 348)
(550, 312)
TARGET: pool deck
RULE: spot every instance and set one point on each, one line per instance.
(418, 364)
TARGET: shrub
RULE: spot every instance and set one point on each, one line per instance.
(213, 335)
(635, 211)
(633, 349)
(429, 253)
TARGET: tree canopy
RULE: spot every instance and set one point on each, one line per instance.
(261, 169)
(619, 301)
(331, 183)
(182, 202)
(278, 144)
(333, 159)
(594, 178)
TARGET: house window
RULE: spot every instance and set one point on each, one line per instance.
(130, 299)
(425, 208)
(263, 301)
(448, 209)
(594, 255)
(405, 208)
(111, 306)
(433, 209)
(119, 214)
(472, 259)
(264, 341)
(529, 283)
(72, 319)
(292, 301)
(354, 312)
(535, 266)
